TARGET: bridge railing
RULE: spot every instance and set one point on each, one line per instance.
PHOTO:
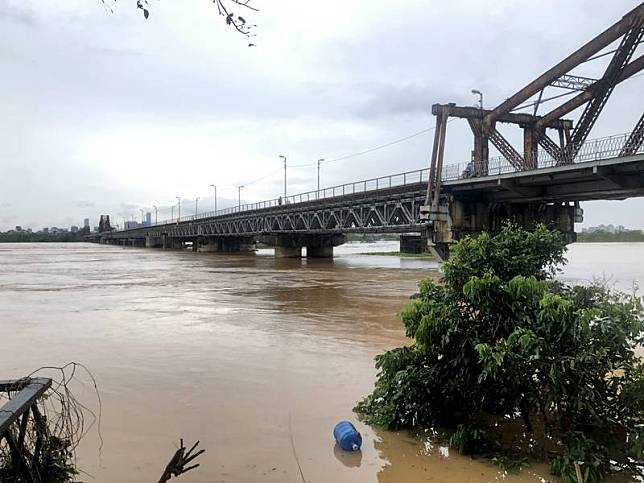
(373, 184)
(602, 148)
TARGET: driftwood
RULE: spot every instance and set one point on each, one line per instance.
(177, 465)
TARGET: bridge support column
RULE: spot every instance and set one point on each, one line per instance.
(319, 252)
(226, 244)
(288, 252)
(411, 243)
(459, 218)
(290, 246)
(152, 241)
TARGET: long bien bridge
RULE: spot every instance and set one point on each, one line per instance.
(542, 181)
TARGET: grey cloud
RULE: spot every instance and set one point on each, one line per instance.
(386, 100)
(84, 204)
(15, 13)
(129, 206)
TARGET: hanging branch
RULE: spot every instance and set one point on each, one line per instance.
(177, 464)
(224, 7)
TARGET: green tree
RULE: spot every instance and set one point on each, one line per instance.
(498, 336)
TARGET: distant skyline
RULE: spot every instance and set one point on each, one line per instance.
(109, 113)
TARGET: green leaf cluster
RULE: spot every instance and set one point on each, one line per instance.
(498, 338)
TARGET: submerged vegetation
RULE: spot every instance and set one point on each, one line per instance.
(499, 344)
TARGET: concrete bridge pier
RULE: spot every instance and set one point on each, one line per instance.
(290, 246)
(225, 244)
(413, 243)
(459, 218)
(152, 241)
(319, 252)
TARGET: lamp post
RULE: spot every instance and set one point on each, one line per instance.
(284, 158)
(172, 215)
(480, 94)
(178, 208)
(215, 188)
(156, 214)
(196, 206)
(319, 161)
(239, 188)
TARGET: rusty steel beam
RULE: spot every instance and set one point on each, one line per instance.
(605, 87)
(506, 149)
(635, 140)
(522, 119)
(549, 145)
(573, 82)
(579, 100)
(573, 60)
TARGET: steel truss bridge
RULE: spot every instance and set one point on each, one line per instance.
(543, 181)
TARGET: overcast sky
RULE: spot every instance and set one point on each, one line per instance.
(106, 112)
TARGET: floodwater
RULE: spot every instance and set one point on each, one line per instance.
(256, 357)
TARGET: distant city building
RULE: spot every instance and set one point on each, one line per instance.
(131, 224)
(45, 230)
(148, 218)
(86, 223)
(73, 229)
(18, 228)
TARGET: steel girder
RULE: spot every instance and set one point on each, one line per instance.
(395, 212)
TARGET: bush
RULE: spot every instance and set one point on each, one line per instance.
(497, 337)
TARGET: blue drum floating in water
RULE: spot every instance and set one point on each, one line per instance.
(347, 436)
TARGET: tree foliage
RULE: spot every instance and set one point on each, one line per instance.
(498, 339)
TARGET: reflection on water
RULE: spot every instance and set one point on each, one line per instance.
(228, 349)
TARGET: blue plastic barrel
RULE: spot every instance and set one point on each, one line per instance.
(347, 436)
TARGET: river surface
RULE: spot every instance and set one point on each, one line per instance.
(249, 354)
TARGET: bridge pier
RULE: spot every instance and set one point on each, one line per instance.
(459, 218)
(319, 252)
(153, 241)
(290, 246)
(412, 243)
(288, 252)
(225, 244)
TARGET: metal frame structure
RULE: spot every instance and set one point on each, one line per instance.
(606, 168)
(19, 416)
(594, 93)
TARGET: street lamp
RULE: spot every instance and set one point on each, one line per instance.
(215, 188)
(480, 94)
(239, 188)
(321, 160)
(284, 158)
(156, 214)
(196, 206)
(178, 208)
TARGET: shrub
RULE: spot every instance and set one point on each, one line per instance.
(497, 337)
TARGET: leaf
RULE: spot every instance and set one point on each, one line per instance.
(241, 19)
(146, 13)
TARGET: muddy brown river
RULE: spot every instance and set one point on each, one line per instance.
(250, 354)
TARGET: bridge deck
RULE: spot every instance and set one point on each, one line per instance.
(392, 203)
